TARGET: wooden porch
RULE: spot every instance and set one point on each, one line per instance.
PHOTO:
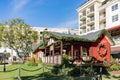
(83, 49)
(75, 51)
(52, 59)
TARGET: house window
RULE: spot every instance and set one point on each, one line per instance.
(115, 18)
(115, 7)
(84, 52)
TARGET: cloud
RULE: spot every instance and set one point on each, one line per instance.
(19, 4)
(69, 24)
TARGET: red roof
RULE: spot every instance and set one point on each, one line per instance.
(114, 28)
(115, 48)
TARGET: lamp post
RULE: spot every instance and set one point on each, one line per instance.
(4, 68)
(100, 73)
(5, 36)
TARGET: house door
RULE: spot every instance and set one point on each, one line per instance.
(77, 54)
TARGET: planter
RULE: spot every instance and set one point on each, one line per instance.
(86, 59)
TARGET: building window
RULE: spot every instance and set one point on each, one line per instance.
(115, 18)
(115, 7)
(91, 8)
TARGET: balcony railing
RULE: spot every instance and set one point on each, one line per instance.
(90, 19)
(84, 23)
(102, 16)
(92, 28)
(102, 26)
(82, 15)
(89, 11)
(84, 31)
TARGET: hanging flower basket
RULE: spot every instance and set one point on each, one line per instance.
(86, 59)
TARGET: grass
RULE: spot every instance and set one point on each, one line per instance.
(13, 75)
(37, 75)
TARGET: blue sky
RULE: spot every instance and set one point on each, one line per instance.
(42, 13)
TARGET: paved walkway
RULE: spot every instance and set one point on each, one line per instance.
(114, 72)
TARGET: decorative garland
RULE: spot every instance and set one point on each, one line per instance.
(76, 38)
(103, 53)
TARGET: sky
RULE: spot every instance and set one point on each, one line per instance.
(42, 13)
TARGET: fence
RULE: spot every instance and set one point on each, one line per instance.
(19, 71)
(96, 76)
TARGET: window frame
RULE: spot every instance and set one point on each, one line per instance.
(115, 18)
(114, 7)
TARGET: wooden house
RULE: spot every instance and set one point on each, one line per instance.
(90, 48)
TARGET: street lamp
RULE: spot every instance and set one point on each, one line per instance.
(4, 69)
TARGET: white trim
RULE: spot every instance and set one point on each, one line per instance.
(111, 43)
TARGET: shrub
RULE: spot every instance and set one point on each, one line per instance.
(32, 62)
(40, 61)
(114, 67)
(65, 60)
(56, 70)
(74, 72)
(87, 70)
(97, 69)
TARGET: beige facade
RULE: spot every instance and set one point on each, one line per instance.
(98, 14)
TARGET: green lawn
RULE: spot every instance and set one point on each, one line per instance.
(37, 75)
(13, 75)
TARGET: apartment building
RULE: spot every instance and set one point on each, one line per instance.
(101, 14)
(98, 14)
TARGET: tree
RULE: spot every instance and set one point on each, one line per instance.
(19, 36)
(1, 33)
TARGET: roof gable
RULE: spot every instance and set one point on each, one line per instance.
(91, 37)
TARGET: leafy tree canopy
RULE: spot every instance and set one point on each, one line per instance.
(18, 35)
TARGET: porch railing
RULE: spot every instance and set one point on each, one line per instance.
(52, 59)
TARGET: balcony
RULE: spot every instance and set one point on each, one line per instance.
(90, 12)
(90, 28)
(102, 18)
(82, 17)
(82, 26)
(102, 26)
(83, 31)
(90, 21)
(102, 8)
